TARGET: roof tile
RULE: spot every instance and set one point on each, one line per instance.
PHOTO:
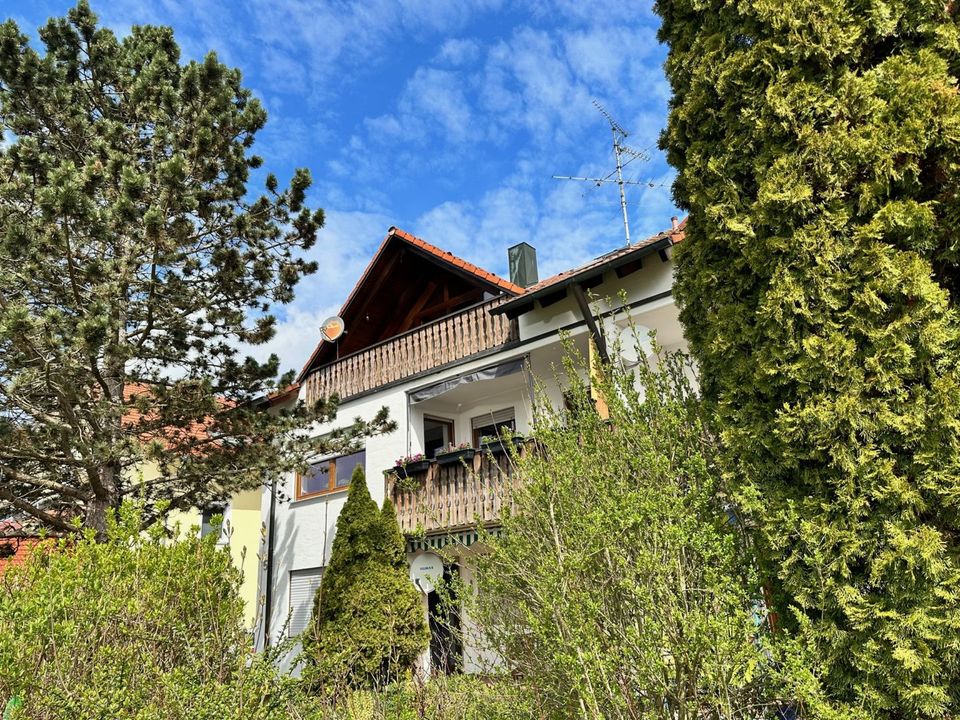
(449, 257)
(675, 234)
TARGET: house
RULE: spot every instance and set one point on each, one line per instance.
(452, 351)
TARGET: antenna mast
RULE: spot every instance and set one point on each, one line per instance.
(619, 150)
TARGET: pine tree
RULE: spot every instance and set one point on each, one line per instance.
(133, 263)
(817, 150)
(368, 622)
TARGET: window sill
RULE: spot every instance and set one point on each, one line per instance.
(319, 495)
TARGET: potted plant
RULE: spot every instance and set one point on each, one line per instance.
(450, 454)
(498, 444)
(410, 465)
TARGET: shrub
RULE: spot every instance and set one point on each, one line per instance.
(368, 624)
(619, 587)
(134, 627)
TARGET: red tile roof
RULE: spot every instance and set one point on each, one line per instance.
(449, 257)
(16, 543)
(21, 548)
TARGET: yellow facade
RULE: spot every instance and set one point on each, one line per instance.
(242, 533)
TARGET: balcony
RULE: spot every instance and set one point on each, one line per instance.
(458, 496)
(446, 340)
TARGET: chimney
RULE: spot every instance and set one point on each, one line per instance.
(523, 264)
(675, 221)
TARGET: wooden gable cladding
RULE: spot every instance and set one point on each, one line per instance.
(408, 284)
(408, 293)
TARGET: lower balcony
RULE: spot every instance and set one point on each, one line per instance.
(455, 497)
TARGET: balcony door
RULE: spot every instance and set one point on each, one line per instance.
(437, 434)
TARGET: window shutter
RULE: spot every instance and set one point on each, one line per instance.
(497, 417)
(303, 588)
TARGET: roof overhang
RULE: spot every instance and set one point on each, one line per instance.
(588, 278)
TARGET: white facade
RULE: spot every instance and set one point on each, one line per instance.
(304, 529)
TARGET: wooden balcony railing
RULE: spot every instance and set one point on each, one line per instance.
(456, 496)
(442, 341)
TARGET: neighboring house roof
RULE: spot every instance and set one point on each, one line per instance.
(278, 397)
(591, 273)
(371, 292)
(16, 543)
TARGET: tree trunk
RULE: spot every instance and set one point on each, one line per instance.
(102, 502)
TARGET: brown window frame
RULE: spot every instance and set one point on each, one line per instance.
(332, 486)
(442, 420)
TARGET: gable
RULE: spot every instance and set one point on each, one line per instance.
(408, 283)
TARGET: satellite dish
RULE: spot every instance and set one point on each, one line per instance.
(332, 328)
(425, 569)
(631, 339)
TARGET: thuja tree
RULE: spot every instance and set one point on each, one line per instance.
(817, 147)
(619, 586)
(134, 260)
(368, 623)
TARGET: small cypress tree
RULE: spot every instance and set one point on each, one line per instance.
(394, 547)
(368, 625)
(355, 543)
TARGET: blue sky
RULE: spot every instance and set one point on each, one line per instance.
(446, 118)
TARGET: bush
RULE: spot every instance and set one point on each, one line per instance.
(134, 627)
(620, 586)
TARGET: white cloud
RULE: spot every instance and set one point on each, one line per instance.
(458, 51)
(433, 101)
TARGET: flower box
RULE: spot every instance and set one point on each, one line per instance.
(498, 446)
(410, 468)
(455, 456)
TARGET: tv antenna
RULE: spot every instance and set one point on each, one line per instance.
(616, 176)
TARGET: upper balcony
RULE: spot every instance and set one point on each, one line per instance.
(468, 332)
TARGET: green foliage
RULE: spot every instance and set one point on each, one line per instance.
(140, 628)
(368, 623)
(817, 147)
(443, 698)
(131, 251)
(619, 587)
(134, 627)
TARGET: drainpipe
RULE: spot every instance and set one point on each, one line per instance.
(268, 595)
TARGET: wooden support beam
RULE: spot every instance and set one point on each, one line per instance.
(554, 297)
(446, 306)
(630, 267)
(591, 321)
(418, 305)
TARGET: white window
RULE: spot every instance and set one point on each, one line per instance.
(492, 424)
(303, 589)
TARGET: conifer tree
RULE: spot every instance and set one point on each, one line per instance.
(394, 546)
(134, 261)
(817, 150)
(368, 622)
